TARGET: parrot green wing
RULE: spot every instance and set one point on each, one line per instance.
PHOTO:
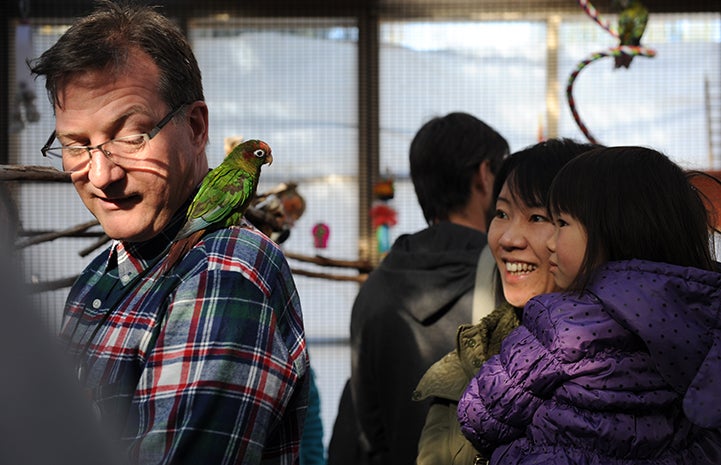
(224, 195)
(227, 190)
(222, 198)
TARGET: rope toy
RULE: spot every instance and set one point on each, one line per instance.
(616, 52)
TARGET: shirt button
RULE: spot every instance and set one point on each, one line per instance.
(97, 303)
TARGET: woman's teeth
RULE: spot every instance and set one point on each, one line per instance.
(518, 267)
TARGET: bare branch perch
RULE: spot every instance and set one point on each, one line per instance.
(102, 240)
(46, 286)
(32, 173)
(55, 235)
(333, 277)
(363, 266)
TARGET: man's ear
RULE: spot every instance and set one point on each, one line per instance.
(198, 120)
(483, 179)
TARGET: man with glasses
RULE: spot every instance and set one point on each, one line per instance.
(205, 363)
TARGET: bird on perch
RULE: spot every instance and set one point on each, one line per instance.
(223, 197)
(632, 22)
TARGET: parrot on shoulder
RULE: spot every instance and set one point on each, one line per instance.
(631, 24)
(223, 197)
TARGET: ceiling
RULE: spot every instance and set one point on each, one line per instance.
(395, 8)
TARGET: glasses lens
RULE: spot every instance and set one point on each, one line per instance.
(68, 159)
(125, 151)
(125, 146)
(54, 156)
(74, 158)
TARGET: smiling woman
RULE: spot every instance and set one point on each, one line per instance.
(517, 236)
(629, 346)
(517, 239)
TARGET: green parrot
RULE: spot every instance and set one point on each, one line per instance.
(631, 24)
(223, 197)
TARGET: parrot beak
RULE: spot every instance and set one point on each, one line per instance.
(269, 159)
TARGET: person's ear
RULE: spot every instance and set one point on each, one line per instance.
(484, 178)
(198, 120)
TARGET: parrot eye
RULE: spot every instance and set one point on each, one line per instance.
(260, 153)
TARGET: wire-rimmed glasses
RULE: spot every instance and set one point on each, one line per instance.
(122, 151)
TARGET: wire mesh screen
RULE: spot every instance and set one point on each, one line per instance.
(294, 83)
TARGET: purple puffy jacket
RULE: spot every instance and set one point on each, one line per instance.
(627, 373)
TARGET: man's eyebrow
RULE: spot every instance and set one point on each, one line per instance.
(114, 125)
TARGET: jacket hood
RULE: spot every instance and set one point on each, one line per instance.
(434, 267)
(676, 311)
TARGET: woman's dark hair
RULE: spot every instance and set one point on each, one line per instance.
(530, 172)
(635, 203)
(445, 154)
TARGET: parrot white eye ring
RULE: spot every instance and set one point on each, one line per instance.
(259, 153)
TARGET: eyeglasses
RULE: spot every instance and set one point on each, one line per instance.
(122, 150)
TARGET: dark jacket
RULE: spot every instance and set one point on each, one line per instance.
(404, 319)
(626, 373)
(344, 447)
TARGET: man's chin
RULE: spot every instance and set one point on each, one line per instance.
(136, 225)
(125, 231)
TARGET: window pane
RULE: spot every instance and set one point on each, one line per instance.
(45, 207)
(658, 102)
(493, 70)
(293, 84)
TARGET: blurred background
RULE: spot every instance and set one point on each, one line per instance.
(338, 89)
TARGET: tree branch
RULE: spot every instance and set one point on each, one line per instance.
(32, 173)
(55, 235)
(45, 286)
(363, 266)
(333, 277)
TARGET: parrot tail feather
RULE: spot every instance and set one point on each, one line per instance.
(180, 248)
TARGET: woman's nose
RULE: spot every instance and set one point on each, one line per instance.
(513, 237)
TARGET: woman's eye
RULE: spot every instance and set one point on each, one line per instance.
(500, 214)
(539, 219)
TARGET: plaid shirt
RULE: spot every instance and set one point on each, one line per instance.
(205, 364)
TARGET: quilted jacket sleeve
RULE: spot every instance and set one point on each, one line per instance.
(501, 399)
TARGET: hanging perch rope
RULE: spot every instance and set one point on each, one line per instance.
(621, 50)
(613, 52)
(596, 16)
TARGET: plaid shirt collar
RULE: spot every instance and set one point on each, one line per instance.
(132, 258)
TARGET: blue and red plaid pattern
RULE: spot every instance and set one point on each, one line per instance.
(206, 364)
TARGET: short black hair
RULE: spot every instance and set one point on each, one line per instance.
(444, 155)
(104, 39)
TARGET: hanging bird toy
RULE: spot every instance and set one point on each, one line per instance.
(632, 21)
